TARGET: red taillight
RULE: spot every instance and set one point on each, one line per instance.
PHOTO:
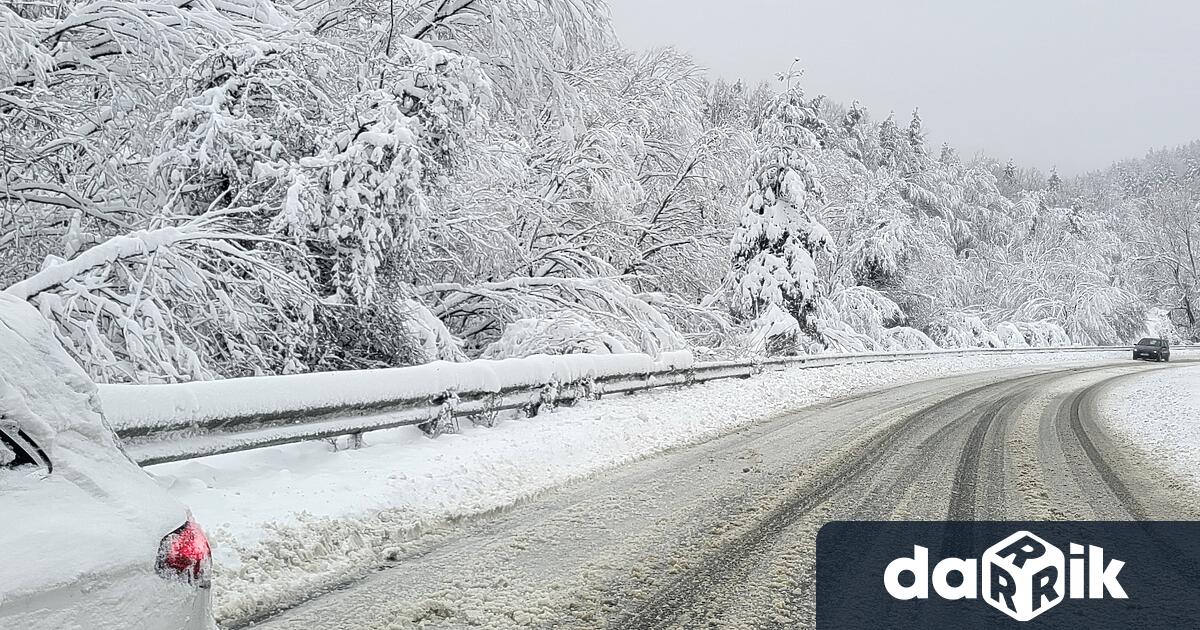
(185, 555)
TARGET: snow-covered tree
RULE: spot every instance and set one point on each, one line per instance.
(1055, 182)
(1010, 170)
(215, 188)
(735, 105)
(191, 299)
(916, 134)
(852, 124)
(777, 238)
(359, 204)
(895, 151)
(246, 111)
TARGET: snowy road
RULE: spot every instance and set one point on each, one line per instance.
(721, 534)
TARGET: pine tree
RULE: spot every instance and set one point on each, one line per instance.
(777, 238)
(817, 125)
(1010, 171)
(902, 150)
(852, 131)
(892, 145)
(916, 133)
(949, 155)
(1055, 182)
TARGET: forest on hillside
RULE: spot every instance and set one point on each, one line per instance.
(198, 189)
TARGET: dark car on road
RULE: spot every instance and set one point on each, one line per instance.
(1152, 348)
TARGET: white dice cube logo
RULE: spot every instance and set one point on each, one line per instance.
(1023, 576)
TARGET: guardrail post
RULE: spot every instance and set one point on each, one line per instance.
(490, 415)
(572, 393)
(590, 391)
(351, 441)
(547, 397)
(595, 389)
(446, 421)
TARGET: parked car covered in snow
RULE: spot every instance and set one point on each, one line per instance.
(87, 539)
(1152, 348)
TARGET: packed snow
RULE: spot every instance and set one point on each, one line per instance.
(293, 519)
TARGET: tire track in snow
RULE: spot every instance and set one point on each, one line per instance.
(732, 560)
(978, 476)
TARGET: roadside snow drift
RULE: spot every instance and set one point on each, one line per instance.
(1160, 412)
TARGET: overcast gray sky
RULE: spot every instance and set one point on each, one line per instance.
(1053, 82)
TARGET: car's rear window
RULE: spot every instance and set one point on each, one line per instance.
(1150, 342)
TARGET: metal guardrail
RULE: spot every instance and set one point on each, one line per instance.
(167, 440)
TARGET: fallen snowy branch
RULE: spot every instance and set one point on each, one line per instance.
(167, 304)
(140, 243)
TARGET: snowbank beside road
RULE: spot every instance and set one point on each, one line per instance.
(293, 519)
(1160, 412)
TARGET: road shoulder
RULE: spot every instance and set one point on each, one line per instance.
(1155, 418)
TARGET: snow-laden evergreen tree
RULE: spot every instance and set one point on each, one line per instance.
(852, 124)
(1010, 170)
(1054, 184)
(916, 134)
(949, 155)
(893, 145)
(777, 237)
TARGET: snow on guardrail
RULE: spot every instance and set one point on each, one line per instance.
(172, 422)
(133, 409)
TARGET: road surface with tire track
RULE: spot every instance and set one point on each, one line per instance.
(721, 534)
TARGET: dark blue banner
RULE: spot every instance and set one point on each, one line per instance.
(1028, 575)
